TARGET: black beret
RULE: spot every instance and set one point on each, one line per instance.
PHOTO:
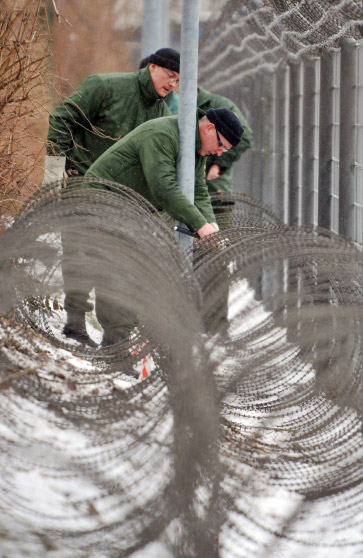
(227, 124)
(144, 62)
(167, 58)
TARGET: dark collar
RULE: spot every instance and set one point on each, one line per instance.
(146, 86)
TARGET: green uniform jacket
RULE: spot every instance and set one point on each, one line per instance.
(172, 100)
(146, 162)
(102, 110)
(224, 182)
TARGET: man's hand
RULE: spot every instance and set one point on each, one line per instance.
(213, 172)
(206, 230)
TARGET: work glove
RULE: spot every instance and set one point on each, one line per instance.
(54, 169)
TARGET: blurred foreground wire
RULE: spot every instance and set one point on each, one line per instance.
(245, 438)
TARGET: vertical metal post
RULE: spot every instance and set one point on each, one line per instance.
(280, 157)
(295, 156)
(347, 137)
(272, 279)
(329, 140)
(280, 170)
(267, 276)
(310, 147)
(151, 28)
(267, 146)
(188, 103)
(165, 23)
(295, 177)
(257, 127)
(256, 156)
(358, 201)
(244, 169)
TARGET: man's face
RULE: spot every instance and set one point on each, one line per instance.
(210, 141)
(164, 80)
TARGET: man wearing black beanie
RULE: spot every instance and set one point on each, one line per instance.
(219, 170)
(103, 109)
(145, 161)
(106, 107)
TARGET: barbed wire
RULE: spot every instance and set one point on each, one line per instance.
(262, 36)
(247, 432)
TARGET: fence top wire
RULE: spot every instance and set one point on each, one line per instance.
(263, 35)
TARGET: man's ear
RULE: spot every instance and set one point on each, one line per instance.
(208, 127)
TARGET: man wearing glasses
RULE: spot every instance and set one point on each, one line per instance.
(103, 109)
(219, 170)
(145, 161)
(106, 107)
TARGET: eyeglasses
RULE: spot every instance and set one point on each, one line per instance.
(220, 144)
(171, 78)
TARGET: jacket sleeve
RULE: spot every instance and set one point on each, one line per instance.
(76, 111)
(158, 154)
(201, 195)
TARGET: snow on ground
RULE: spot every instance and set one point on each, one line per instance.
(44, 487)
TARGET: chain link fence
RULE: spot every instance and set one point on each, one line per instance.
(245, 437)
(295, 69)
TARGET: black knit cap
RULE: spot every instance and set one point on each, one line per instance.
(227, 124)
(167, 58)
(144, 62)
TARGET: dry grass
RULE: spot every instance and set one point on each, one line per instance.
(24, 59)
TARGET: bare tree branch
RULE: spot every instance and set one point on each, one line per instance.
(59, 15)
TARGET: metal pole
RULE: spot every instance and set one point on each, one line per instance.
(268, 273)
(257, 149)
(280, 159)
(165, 23)
(358, 202)
(295, 128)
(347, 137)
(295, 179)
(267, 155)
(188, 103)
(242, 169)
(151, 28)
(280, 168)
(329, 140)
(310, 141)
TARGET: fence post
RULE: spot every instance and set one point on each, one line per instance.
(347, 137)
(267, 145)
(165, 23)
(256, 169)
(358, 201)
(310, 141)
(243, 169)
(151, 27)
(280, 135)
(295, 155)
(328, 199)
(188, 104)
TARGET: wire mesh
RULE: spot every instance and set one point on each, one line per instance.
(259, 36)
(246, 436)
